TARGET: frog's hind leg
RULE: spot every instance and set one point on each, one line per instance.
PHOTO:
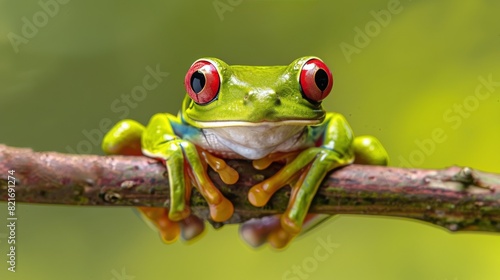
(368, 150)
(257, 231)
(157, 218)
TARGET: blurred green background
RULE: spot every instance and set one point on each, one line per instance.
(402, 70)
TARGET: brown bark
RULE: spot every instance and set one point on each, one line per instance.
(455, 198)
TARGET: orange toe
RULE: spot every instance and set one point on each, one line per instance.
(169, 230)
(257, 196)
(263, 163)
(222, 211)
(226, 172)
(289, 226)
(279, 238)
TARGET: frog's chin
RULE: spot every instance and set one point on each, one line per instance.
(255, 142)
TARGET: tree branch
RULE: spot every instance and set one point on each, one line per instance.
(455, 198)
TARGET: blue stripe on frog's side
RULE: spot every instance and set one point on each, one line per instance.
(184, 130)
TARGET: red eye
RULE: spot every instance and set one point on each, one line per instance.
(315, 80)
(202, 82)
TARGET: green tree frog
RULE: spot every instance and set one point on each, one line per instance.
(260, 113)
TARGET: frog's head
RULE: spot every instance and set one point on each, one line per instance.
(220, 95)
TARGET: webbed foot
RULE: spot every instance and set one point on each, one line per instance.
(304, 173)
(169, 230)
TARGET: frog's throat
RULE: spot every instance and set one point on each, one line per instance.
(214, 124)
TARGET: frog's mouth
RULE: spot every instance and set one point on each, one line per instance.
(220, 124)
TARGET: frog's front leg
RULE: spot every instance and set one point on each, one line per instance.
(124, 138)
(184, 168)
(305, 173)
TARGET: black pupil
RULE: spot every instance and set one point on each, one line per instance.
(321, 79)
(197, 81)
